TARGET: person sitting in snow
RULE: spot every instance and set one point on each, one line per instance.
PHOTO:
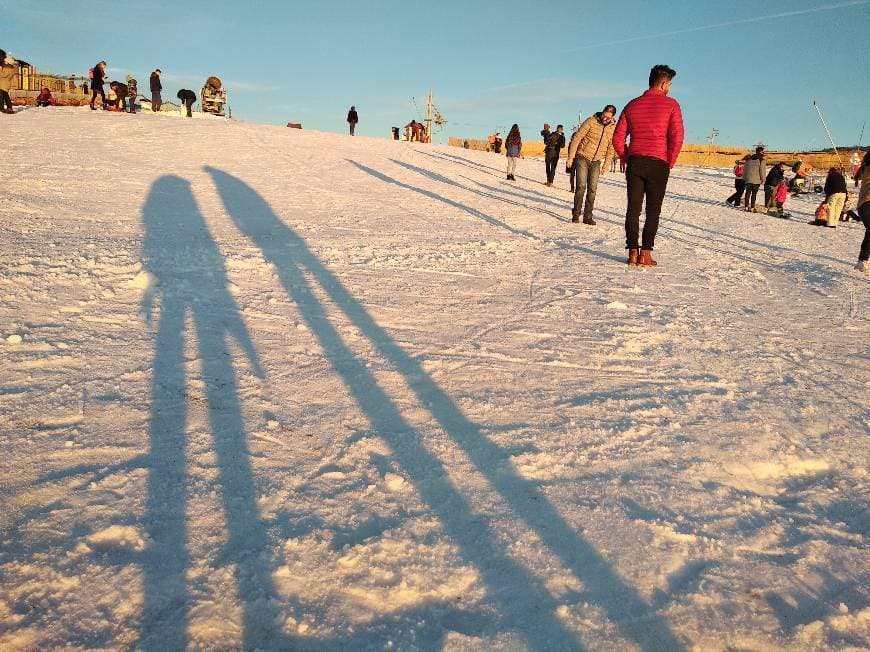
(45, 98)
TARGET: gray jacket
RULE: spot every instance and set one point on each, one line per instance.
(754, 171)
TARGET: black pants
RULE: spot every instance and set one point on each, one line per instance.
(98, 90)
(646, 178)
(864, 212)
(156, 101)
(5, 101)
(739, 185)
(188, 103)
(751, 194)
(551, 160)
(352, 127)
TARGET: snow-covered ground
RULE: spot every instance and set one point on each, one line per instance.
(275, 389)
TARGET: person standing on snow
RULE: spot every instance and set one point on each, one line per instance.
(187, 97)
(855, 162)
(132, 93)
(98, 74)
(555, 143)
(654, 122)
(771, 183)
(7, 74)
(739, 183)
(156, 87)
(545, 133)
(352, 119)
(589, 155)
(754, 174)
(862, 176)
(513, 147)
(835, 196)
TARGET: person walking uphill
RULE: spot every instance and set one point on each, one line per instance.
(98, 74)
(156, 87)
(589, 154)
(554, 145)
(655, 123)
(513, 147)
(754, 174)
(352, 119)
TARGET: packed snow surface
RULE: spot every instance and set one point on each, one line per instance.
(275, 389)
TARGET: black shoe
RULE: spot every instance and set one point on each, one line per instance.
(575, 220)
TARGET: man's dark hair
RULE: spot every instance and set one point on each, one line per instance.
(158, 70)
(660, 73)
(609, 108)
(559, 127)
(759, 149)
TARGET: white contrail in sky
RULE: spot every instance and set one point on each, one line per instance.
(730, 23)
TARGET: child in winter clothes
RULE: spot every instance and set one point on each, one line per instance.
(45, 98)
(779, 196)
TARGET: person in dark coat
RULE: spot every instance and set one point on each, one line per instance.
(545, 133)
(835, 195)
(132, 93)
(352, 119)
(771, 183)
(187, 97)
(555, 143)
(98, 76)
(120, 100)
(156, 87)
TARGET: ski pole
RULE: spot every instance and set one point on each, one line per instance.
(828, 131)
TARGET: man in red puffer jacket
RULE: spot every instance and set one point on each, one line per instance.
(655, 123)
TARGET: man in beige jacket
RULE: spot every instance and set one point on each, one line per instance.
(591, 151)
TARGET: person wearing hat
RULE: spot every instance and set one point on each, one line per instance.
(754, 173)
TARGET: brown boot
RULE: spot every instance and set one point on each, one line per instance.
(632, 256)
(589, 220)
(645, 259)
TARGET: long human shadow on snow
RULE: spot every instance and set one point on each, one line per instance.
(474, 212)
(521, 600)
(192, 286)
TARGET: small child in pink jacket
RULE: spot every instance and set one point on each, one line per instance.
(780, 195)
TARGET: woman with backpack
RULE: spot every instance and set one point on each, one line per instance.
(97, 75)
(513, 147)
(739, 183)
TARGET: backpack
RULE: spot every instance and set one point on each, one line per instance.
(822, 212)
(90, 73)
(553, 141)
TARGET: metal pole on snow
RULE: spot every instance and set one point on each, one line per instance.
(828, 131)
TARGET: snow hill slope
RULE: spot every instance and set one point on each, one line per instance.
(268, 389)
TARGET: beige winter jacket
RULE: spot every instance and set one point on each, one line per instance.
(7, 74)
(593, 141)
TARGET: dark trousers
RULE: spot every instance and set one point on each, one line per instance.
(5, 101)
(646, 178)
(587, 184)
(97, 90)
(739, 185)
(572, 176)
(352, 127)
(156, 101)
(551, 160)
(864, 212)
(188, 103)
(751, 194)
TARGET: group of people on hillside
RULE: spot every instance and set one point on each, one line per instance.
(127, 93)
(654, 124)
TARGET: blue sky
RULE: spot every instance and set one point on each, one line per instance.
(749, 69)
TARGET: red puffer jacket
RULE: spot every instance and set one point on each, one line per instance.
(655, 123)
